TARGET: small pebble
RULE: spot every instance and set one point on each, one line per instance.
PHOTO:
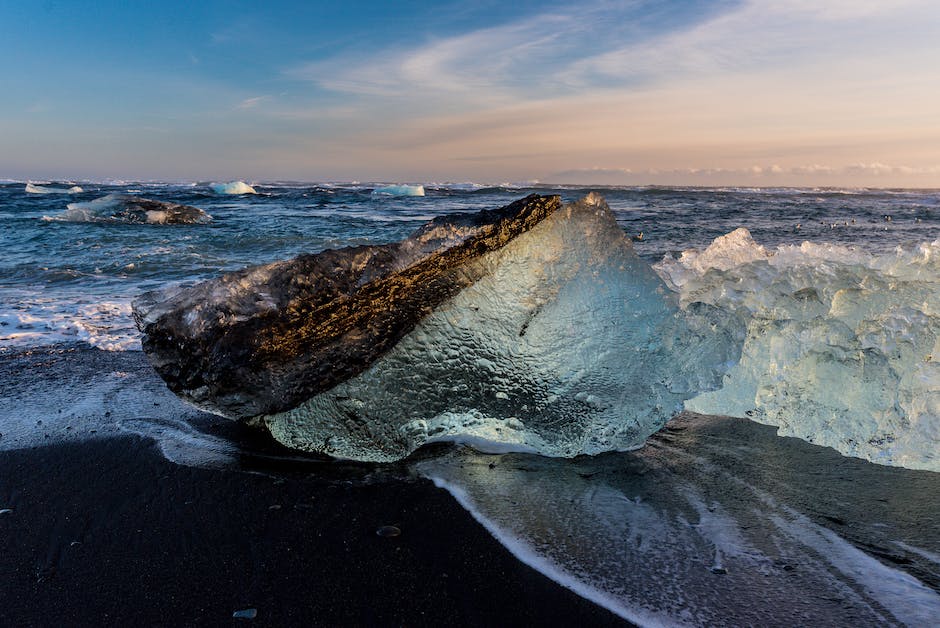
(388, 531)
(247, 613)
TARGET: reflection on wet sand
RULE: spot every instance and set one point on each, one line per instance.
(717, 520)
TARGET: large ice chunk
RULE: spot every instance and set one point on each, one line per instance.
(842, 347)
(531, 327)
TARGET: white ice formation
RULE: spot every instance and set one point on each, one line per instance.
(43, 189)
(842, 347)
(569, 344)
(233, 188)
(399, 190)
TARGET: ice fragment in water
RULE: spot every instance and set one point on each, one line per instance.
(43, 189)
(234, 187)
(399, 190)
(126, 208)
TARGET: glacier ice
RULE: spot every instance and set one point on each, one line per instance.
(535, 326)
(44, 189)
(842, 347)
(399, 190)
(126, 208)
(234, 188)
(568, 345)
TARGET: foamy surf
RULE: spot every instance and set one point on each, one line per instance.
(715, 521)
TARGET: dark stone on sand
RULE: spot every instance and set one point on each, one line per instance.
(265, 339)
(388, 531)
(247, 613)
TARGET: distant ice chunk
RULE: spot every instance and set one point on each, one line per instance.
(126, 208)
(42, 189)
(234, 188)
(399, 190)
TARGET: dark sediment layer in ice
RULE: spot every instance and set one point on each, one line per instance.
(264, 339)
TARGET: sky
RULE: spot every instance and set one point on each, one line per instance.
(636, 92)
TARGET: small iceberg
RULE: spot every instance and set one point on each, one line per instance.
(42, 189)
(399, 190)
(531, 327)
(234, 187)
(131, 209)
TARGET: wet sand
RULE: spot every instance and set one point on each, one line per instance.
(108, 532)
(126, 506)
(104, 530)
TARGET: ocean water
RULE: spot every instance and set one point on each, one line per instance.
(837, 292)
(67, 279)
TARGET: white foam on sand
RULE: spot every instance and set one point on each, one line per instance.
(54, 397)
(667, 537)
(527, 554)
(106, 325)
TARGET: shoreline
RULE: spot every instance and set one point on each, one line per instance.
(120, 503)
(108, 531)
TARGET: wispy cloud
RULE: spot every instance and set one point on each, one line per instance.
(253, 102)
(482, 66)
(762, 37)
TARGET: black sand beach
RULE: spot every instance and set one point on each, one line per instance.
(103, 530)
(110, 533)
(118, 504)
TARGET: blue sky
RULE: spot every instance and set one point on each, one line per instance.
(695, 91)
